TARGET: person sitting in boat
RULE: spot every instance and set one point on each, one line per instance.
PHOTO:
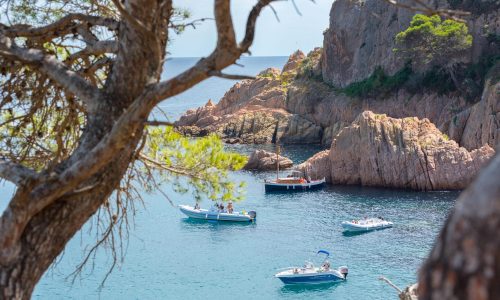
(221, 207)
(326, 265)
(230, 207)
(197, 206)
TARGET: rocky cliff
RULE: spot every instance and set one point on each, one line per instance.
(480, 124)
(376, 150)
(254, 111)
(361, 37)
(285, 107)
(311, 101)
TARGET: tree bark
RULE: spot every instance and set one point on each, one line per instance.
(50, 206)
(465, 261)
(45, 234)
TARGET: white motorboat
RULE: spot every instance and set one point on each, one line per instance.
(366, 225)
(309, 274)
(217, 215)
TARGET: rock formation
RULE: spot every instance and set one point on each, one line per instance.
(262, 160)
(253, 111)
(278, 106)
(376, 150)
(361, 34)
(480, 124)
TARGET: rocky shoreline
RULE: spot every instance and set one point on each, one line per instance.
(376, 150)
(420, 139)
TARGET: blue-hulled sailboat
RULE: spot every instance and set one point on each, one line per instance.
(294, 182)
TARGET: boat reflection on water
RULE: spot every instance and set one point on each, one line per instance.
(197, 223)
(304, 288)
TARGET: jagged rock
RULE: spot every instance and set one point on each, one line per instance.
(352, 55)
(376, 150)
(253, 111)
(302, 107)
(481, 123)
(301, 131)
(294, 62)
(264, 161)
(321, 105)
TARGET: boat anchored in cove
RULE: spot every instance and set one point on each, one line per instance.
(309, 274)
(366, 225)
(294, 182)
(215, 214)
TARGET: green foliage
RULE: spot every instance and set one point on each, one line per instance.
(378, 84)
(431, 40)
(470, 77)
(286, 78)
(198, 165)
(309, 63)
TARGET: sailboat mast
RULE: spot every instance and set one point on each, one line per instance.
(277, 162)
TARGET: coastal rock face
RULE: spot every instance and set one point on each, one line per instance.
(275, 108)
(376, 150)
(294, 62)
(325, 107)
(360, 38)
(254, 111)
(480, 124)
(361, 34)
(265, 161)
(302, 103)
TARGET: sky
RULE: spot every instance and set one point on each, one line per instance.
(272, 38)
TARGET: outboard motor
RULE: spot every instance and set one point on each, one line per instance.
(344, 271)
(253, 214)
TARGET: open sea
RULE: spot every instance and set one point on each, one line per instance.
(171, 257)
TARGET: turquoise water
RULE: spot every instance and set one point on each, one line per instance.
(171, 257)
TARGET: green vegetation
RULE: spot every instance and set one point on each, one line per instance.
(470, 78)
(378, 84)
(309, 63)
(286, 78)
(203, 162)
(429, 40)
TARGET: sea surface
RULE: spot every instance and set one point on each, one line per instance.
(168, 256)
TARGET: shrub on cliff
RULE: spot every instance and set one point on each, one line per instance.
(431, 41)
(379, 83)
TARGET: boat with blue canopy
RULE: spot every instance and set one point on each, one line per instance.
(215, 214)
(309, 274)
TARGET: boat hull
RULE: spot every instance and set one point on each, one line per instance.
(203, 214)
(294, 187)
(352, 227)
(314, 279)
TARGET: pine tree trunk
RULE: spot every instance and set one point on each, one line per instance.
(44, 235)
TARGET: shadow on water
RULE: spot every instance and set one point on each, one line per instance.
(303, 288)
(195, 223)
(351, 234)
